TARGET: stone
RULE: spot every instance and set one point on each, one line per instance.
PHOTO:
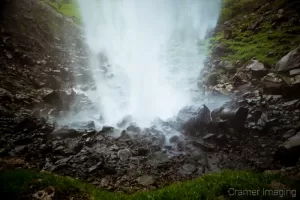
(106, 130)
(294, 72)
(291, 103)
(220, 50)
(257, 68)
(174, 139)
(146, 180)
(5, 95)
(124, 154)
(133, 128)
(198, 121)
(94, 168)
(289, 61)
(289, 152)
(157, 158)
(289, 134)
(187, 169)
(210, 137)
(236, 116)
(124, 121)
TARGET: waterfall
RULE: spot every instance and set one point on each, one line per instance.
(145, 55)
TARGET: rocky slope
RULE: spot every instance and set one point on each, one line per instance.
(43, 55)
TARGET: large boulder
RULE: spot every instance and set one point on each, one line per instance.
(258, 70)
(235, 116)
(289, 61)
(289, 152)
(195, 121)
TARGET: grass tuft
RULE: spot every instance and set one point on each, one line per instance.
(14, 184)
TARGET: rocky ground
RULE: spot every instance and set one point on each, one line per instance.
(257, 129)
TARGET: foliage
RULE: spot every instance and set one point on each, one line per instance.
(268, 43)
(68, 8)
(15, 183)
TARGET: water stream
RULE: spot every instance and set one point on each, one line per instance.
(145, 55)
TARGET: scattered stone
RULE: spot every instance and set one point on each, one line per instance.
(294, 72)
(198, 121)
(289, 134)
(174, 139)
(289, 152)
(146, 180)
(289, 61)
(125, 121)
(187, 169)
(257, 68)
(124, 154)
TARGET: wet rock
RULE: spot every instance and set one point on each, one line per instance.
(187, 169)
(236, 116)
(198, 122)
(289, 61)
(294, 72)
(146, 180)
(5, 95)
(174, 139)
(258, 69)
(106, 130)
(124, 154)
(272, 84)
(65, 132)
(142, 151)
(95, 167)
(84, 125)
(289, 152)
(124, 136)
(289, 134)
(210, 137)
(133, 128)
(125, 121)
(157, 158)
(291, 103)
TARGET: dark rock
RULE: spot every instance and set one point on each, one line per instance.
(106, 130)
(292, 103)
(236, 116)
(198, 121)
(289, 61)
(126, 120)
(210, 137)
(95, 167)
(65, 132)
(142, 151)
(174, 139)
(289, 134)
(133, 128)
(5, 95)
(289, 152)
(124, 136)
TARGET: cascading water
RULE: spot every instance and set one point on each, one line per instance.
(145, 55)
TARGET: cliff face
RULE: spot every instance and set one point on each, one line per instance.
(39, 48)
(261, 30)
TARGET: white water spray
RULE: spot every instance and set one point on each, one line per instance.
(145, 55)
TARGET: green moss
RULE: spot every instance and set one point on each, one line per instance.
(67, 9)
(15, 183)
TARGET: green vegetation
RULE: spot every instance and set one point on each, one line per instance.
(67, 8)
(257, 31)
(16, 183)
